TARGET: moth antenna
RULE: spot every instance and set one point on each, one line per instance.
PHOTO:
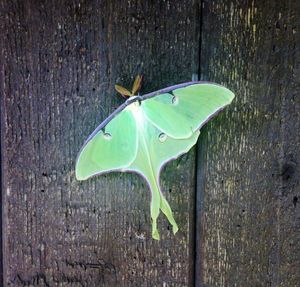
(137, 84)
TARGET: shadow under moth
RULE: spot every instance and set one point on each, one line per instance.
(147, 131)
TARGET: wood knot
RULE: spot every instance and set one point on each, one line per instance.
(288, 170)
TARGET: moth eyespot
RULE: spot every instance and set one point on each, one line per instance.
(175, 100)
(162, 137)
(107, 136)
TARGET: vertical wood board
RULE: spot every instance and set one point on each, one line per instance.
(249, 223)
(60, 61)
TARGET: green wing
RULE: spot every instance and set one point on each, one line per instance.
(155, 148)
(146, 135)
(111, 149)
(186, 109)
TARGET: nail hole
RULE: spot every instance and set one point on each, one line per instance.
(295, 200)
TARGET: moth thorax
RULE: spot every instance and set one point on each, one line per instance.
(137, 112)
(134, 107)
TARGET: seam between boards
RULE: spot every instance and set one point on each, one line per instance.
(199, 157)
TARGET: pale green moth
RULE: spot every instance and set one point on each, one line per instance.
(147, 131)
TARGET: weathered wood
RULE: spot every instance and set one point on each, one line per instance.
(60, 60)
(250, 220)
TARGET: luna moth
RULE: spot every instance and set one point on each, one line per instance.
(147, 131)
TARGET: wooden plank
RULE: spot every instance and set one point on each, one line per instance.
(60, 61)
(251, 213)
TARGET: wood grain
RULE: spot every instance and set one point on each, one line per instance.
(250, 177)
(59, 63)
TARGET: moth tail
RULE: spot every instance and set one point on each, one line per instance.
(158, 202)
(166, 209)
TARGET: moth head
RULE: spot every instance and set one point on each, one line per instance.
(135, 88)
